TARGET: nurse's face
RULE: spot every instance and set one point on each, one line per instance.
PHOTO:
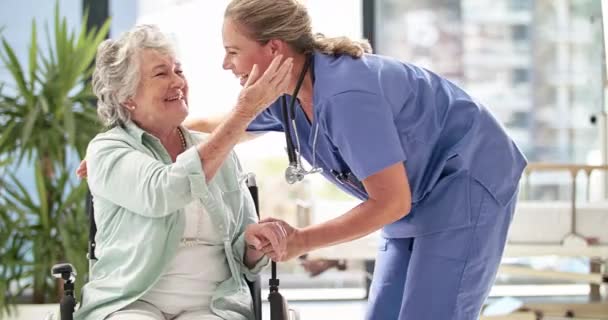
(243, 52)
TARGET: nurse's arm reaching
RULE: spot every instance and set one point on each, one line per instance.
(206, 124)
(210, 123)
(389, 200)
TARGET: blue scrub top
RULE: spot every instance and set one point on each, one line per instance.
(376, 111)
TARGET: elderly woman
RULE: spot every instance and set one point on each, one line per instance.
(176, 226)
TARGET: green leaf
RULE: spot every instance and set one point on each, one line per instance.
(102, 32)
(83, 25)
(30, 120)
(51, 53)
(48, 116)
(70, 126)
(12, 63)
(58, 38)
(23, 197)
(8, 137)
(89, 51)
(44, 104)
(6, 161)
(76, 195)
(33, 57)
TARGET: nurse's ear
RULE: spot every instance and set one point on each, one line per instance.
(276, 47)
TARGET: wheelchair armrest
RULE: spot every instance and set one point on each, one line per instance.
(255, 288)
(294, 314)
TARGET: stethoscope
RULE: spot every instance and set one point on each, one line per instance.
(295, 171)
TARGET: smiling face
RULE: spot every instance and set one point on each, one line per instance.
(243, 52)
(161, 97)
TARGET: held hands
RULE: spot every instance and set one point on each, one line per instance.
(261, 90)
(275, 238)
(260, 235)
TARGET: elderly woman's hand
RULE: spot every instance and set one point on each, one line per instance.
(261, 235)
(261, 91)
(293, 244)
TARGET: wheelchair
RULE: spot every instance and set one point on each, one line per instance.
(279, 309)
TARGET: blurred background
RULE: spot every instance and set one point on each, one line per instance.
(538, 65)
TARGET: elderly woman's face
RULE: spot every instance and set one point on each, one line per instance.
(161, 96)
(242, 52)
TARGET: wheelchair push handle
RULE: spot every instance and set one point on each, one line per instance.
(67, 272)
(278, 304)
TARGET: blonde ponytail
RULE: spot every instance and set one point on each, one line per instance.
(341, 45)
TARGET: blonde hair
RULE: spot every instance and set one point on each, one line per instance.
(288, 20)
(116, 74)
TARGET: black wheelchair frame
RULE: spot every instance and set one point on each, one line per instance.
(278, 305)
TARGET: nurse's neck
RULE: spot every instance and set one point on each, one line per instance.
(306, 90)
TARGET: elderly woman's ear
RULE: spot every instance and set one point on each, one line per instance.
(129, 104)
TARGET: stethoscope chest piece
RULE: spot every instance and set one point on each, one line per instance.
(295, 172)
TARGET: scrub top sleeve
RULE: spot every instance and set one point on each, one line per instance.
(361, 125)
(265, 121)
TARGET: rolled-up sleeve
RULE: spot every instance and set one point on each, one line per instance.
(191, 162)
(239, 249)
(133, 179)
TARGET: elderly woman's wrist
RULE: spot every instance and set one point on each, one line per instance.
(253, 256)
(245, 112)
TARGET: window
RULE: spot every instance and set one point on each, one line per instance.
(537, 57)
(520, 32)
(520, 76)
(520, 5)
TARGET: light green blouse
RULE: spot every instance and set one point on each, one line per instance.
(139, 196)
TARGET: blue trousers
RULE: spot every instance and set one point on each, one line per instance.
(445, 275)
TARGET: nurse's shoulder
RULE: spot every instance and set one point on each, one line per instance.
(336, 74)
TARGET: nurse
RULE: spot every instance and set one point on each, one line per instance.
(432, 167)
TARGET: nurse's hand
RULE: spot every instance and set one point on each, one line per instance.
(292, 241)
(81, 172)
(260, 91)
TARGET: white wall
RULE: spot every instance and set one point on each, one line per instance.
(337, 17)
(196, 27)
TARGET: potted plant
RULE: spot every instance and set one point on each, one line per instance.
(47, 118)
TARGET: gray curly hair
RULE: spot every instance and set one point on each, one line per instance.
(116, 74)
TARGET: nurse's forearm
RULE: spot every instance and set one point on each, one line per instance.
(208, 124)
(360, 221)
